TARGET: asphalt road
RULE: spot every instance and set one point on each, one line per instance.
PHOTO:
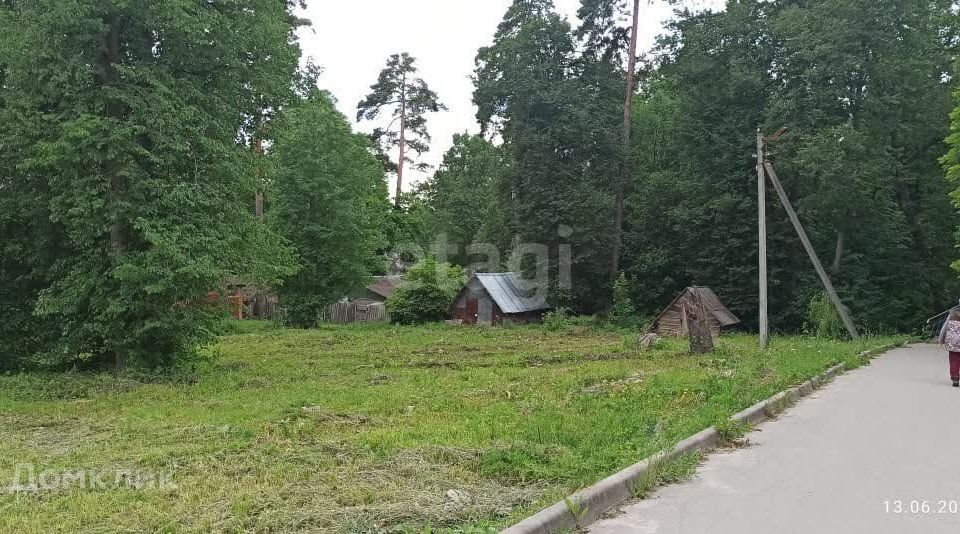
(876, 451)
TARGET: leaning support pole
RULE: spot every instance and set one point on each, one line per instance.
(762, 224)
(810, 252)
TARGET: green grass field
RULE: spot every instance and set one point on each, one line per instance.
(364, 429)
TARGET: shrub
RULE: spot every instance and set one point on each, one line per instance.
(730, 431)
(823, 319)
(557, 319)
(623, 313)
(421, 303)
(426, 293)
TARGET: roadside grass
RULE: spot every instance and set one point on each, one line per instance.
(377, 428)
(666, 472)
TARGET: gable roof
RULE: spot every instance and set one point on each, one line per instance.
(711, 302)
(385, 285)
(509, 291)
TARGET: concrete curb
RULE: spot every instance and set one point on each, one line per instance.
(587, 505)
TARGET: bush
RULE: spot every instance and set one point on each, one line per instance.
(421, 303)
(823, 319)
(557, 319)
(623, 313)
(730, 431)
(426, 293)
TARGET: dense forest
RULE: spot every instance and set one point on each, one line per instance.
(864, 88)
(149, 151)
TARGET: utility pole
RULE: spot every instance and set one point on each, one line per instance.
(624, 164)
(762, 219)
(841, 309)
(765, 170)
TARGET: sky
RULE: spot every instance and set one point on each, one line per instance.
(351, 40)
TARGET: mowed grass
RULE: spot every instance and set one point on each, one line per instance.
(367, 429)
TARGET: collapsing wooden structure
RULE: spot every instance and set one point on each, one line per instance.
(693, 302)
(247, 300)
(366, 304)
(356, 311)
(492, 298)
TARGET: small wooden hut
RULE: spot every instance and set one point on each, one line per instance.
(673, 320)
(492, 298)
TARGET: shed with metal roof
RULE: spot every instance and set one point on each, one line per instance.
(492, 298)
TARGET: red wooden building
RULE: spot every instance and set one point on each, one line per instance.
(492, 298)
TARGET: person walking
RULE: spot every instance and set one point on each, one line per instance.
(950, 339)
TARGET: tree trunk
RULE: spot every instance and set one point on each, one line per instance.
(403, 140)
(117, 245)
(115, 110)
(119, 362)
(701, 340)
(258, 204)
(624, 164)
(259, 298)
(838, 255)
(258, 196)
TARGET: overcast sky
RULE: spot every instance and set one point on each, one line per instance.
(351, 40)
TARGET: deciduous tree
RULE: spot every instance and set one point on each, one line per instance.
(462, 200)
(330, 203)
(120, 125)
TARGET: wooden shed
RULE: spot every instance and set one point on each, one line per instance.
(379, 289)
(492, 298)
(672, 321)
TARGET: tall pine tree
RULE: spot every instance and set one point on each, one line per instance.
(407, 99)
